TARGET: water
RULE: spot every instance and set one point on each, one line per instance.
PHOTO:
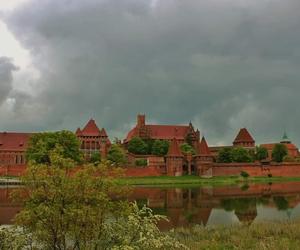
(209, 205)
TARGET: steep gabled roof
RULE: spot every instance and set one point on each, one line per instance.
(10, 141)
(103, 133)
(174, 149)
(243, 136)
(78, 132)
(91, 129)
(203, 148)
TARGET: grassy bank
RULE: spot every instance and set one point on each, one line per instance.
(196, 180)
(271, 236)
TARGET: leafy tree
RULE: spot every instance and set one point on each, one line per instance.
(160, 147)
(41, 145)
(225, 155)
(95, 157)
(261, 153)
(117, 155)
(141, 162)
(187, 148)
(77, 212)
(279, 152)
(137, 146)
(240, 154)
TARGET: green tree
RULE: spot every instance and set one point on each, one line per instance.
(117, 155)
(187, 148)
(95, 157)
(41, 145)
(137, 146)
(240, 154)
(160, 147)
(279, 152)
(77, 212)
(261, 153)
(189, 139)
(225, 155)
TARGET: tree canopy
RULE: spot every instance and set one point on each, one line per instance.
(225, 155)
(41, 145)
(279, 152)
(235, 154)
(160, 147)
(261, 153)
(137, 146)
(117, 155)
(187, 148)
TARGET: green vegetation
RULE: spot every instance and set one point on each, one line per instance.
(41, 144)
(244, 174)
(262, 236)
(95, 158)
(160, 147)
(261, 153)
(137, 146)
(279, 152)
(187, 148)
(141, 162)
(225, 155)
(117, 155)
(235, 154)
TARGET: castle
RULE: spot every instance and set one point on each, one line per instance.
(175, 163)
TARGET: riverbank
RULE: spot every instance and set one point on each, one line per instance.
(272, 236)
(164, 181)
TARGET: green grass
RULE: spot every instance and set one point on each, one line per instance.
(164, 181)
(271, 236)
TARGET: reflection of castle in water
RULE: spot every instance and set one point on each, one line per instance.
(184, 207)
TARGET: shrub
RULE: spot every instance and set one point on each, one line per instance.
(241, 155)
(244, 174)
(261, 153)
(137, 146)
(279, 152)
(160, 147)
(270, 175)
(141, 162)
(187, 148)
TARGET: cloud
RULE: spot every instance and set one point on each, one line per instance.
(6, 78)
(222, 64)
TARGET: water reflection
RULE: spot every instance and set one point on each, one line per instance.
(222, 205)
(204, 205)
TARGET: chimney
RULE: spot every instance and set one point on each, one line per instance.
(141, 121)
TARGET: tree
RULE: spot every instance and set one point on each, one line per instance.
(117, 155)
(261, 153)
(187, 148)
(279, 152)
(95, 157)
(160, 147)
(137, 146)
(240, 154)
(225, 155)
(63, 211)
(41, 145)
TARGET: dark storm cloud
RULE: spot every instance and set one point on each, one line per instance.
(222, 64)
(6, 69)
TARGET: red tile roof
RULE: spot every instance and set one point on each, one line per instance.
(174, 149)
(90, 129)
(103, 133)
(243, 136)
(270, 146)
(203, 147)
(162, 132)
(10, 141)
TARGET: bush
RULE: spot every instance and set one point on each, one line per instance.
(141, 162)
(187, 148)
(241, 155)
(270, 175)
(261, 153)
(137, 146)
(225, 155)
(117, 155)
(244, 174)
(160, 147)
(279, 152)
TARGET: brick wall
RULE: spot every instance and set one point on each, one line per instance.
(12, 170)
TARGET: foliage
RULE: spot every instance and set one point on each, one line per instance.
(240, 154)
(244, 174)
(260, 236)
(41, 145)
(117, 155)
(225, 155)
(288, 158)
(279, 152)
(187, 148)
(189, 139)
(141, 162)
(13, 238)
(261, 153)
(137, 146)
(95, 157)
(76, 211)
(281, 202)
(160, 147)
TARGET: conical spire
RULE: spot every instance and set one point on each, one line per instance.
(78, 132)
(285, 138)
(174, 149)
(103, 132)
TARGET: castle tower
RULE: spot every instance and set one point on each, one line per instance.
(203, 157)
(244, 139)
(174, 159)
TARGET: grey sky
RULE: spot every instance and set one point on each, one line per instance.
(223, 64)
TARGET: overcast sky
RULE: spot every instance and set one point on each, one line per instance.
(223, 64)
